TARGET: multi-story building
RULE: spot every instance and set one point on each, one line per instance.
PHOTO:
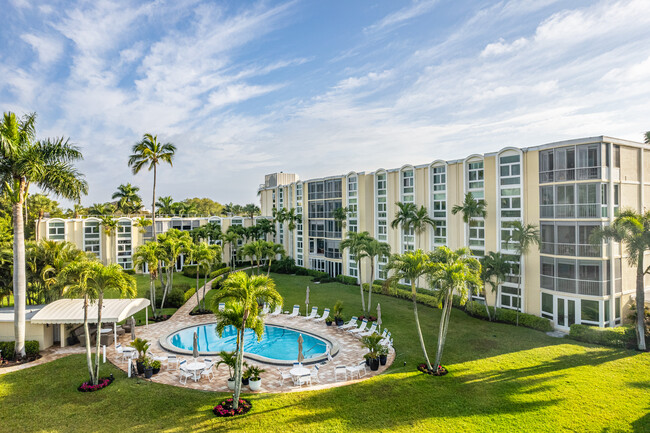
(567, 189)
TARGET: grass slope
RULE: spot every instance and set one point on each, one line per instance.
(502, 378)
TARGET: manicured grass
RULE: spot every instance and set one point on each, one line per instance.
(502, 378)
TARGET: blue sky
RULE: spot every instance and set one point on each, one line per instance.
(318, 88)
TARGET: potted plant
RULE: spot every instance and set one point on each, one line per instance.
(254, 381)
(338, 309)
(230, 360)
(245, 377)
(329, 320)
(372, 344)
(148, 368)
(141, 345)
(383, 354)
(156, 367)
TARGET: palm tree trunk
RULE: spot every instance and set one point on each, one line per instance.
(152, 292)
(519, 290)
(363, 302)
(170, 281)
(240, 363)
(444, 325)
(205, 283)
(198, 300)
(417, 324)
(269, 269)
(153, 205)
(487, 307)
(89, 360)
(98, 337)
(640, 304)
(19, 277)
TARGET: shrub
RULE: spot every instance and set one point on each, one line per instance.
(622, 336)
(219, 272)
(8, 352)
(175, 298)
(301, 271)
(130, 271)
(504, 315)
(31, 348)
(189, 294)
(189, 271)
(284, 266)
(183, 286)
(344, 279)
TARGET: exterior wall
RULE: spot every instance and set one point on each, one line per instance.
(41, 333)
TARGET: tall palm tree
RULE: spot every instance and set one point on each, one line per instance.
(40, 204)
(495, 268)
(646, 137)
(212, 257)
(172, 244)
(110, 228)
(404, 216)
(46, 259)
(451, 272)
(149, 152)
(128, 199)
(142, 223)
(373, 249)
(340, 216)
(146, 255)
(266, 228)
(273, 250)
(471, 209)
(166, 205)
(100, 209)
(47, 163)
(410, 265)
(251, 210)
(355, 245)
(632, 229)
(248, 292)
(255, 250)
(200, 254)
(230, 238)
(523, 237)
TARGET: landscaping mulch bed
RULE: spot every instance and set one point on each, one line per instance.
(201, 312)
(160, 318)
(224, 409)
(101, 384)
(369, 318)
(10, 363)
(441, 370)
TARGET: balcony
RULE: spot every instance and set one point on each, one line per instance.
(579, 250)
(570, 174)
(590, 210)
(577, 287)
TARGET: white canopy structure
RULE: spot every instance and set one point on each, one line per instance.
(65, 311)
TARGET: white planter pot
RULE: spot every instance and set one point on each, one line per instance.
(231, 385)
(255, 385)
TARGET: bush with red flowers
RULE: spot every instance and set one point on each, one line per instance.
(368, 318)
(441, 371)
(89, 387)
(225, 408)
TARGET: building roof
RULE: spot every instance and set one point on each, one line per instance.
(7, 313)
(71, 311)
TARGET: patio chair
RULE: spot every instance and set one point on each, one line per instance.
(120, 351)
(340, 369)
(277, 311)
(313, 314)
(156, 357)
(305, 379)
(295, 312)
(322, 317)
(384, 333)
(297, 364)
(265, 309)
(351, 324)
(183, 373)
(369, 332)
(314, 374)
(284, 375)
(172, 360)
(360, 329)
(387, 341)
(208, 371)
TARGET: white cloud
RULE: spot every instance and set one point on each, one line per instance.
(237, 93)
(501, 47)
(401, 16)
(48, 48)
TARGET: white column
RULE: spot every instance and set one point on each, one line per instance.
(115, 334)
(62, 334)
(146, 317)
(610, 246)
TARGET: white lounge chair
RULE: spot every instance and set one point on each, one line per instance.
(172, 360)
(357, 369)
(323, 317)
(314, 374)
(360, 329)
(351, 324)
(387, 341)
(222, 306)
(370, 331)
(340, 369)
(265, 310)
(208, 371)
(295, 312)
(312, 315)
(183, 373)
(384, 333)
(284, 375)
(277, 311)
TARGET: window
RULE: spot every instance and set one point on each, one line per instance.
(92, 236)
(589, 312)
(124, 244)
(565, 199)
(547, 306)
(510, 170)
(352, 204)
(408, 186)
(382, 210)
(475, 175)
(439, 204)
(56, 230)
(546, 201)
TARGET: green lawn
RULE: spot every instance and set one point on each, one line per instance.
(502, 378)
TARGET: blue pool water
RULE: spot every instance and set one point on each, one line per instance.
(277, 343)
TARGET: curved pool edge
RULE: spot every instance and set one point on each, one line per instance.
(165, 344)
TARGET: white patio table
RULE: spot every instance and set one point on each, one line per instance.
(195, 368)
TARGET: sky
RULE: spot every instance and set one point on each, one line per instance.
(318, 88)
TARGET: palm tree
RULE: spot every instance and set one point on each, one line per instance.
(410, 265)
(200, 254)
(265, 228)
(340, 216)
(255, 251)
(646, 137)
(146, 255)
(354, 244)
(150, 152)
(372, 249)
(451, 272)
(142, 223)
(128, 199)
(46, 259)
(110, 227)
(100, 209)
(522, 236)
(471, 209)
(273, 250)
(47, 163)
(40, 204)
(404, 216)
(228, 209)
(212, 257)
(166, 205)
(172, 244)
(632, 229)
(495, 268)
(230, 238)
(248, 292)
(251, 210)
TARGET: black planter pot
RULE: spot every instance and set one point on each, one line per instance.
(382, 359)
(339, 322)
(367, 361)
(374, 364)
(328, 323)
(156, 370)
(148, 372)
(244, 381)
(140, 367)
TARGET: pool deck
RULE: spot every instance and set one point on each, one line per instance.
(350, 353)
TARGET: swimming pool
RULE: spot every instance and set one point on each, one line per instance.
(278, 344)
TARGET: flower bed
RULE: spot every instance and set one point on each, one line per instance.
(225, 408)
(101, 383)
(369, 318)
(440, 372)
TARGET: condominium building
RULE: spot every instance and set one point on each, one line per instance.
(567, 189)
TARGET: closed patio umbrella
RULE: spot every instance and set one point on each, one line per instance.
(307, 302)
(379, 317)
(300, 355)
(195, 346)
(132, 328)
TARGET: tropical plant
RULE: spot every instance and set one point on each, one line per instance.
(129, 202)
(203, 256)
(230, 238)
(255, 251)
(372, 343)
(254, 372)
(146, 256)
(265, 227)
(646, 137)
(246, 291)
(632, 229)
(45, 260)
(171, 245)
(142, 223)
(213, 257)
(340, 216)
(141, 345)
(411, 266)
(355, 244)
(250, 210)
(229, 359)
(165, 205)
(149, 152)
(272, 251)
(374, 249)
(338, 310)
(495, 268)
(40, 204)
(100, 209)
(471, 209)
(450, 272)
(49, 164)
(522, 237)
(412, 218)
(75, 211)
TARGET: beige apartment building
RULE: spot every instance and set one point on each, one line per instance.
(566, 188)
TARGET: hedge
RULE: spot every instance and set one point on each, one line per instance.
(504, 315)
(344, 279)
(175, 298)
(7, 347)
(189, 271)
(622, 336)
(189, 294)
(219, 272)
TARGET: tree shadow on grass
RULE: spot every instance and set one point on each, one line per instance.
(642, 424)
